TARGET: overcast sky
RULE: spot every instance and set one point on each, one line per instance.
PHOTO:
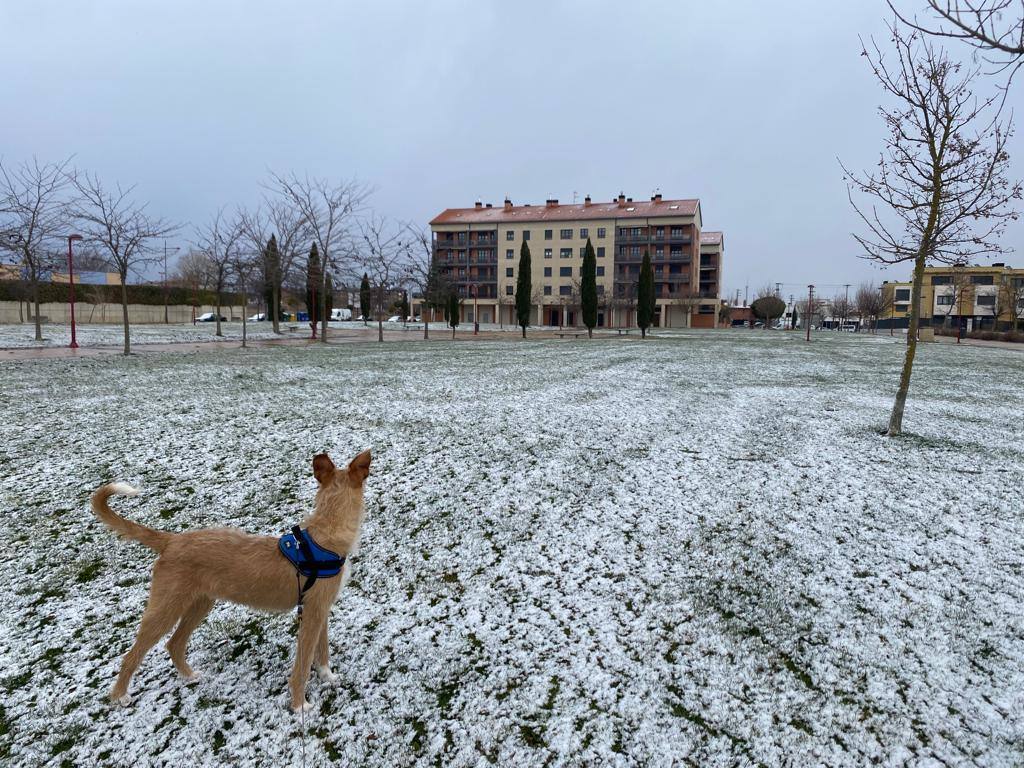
(746, 105)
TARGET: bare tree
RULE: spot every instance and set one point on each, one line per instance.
(244, 262)
(941, 180)
(33, 219)
(686, 300)
(840, 309)
(384, 257)
(194, 271)
(1011, 299)
(328, 210)
(871, 303)
(995, 28)
(120, 227)
(423, 272)
(220, 240)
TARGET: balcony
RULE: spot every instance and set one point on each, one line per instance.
(653, 239)
(672, 258)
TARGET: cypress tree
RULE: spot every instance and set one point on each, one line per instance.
(364, 297)
(313, 282)
(588, 288)
(271, 260)
(453, 311)
(524, 288)
(645, 299)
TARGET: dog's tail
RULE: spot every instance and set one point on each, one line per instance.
(155, 540)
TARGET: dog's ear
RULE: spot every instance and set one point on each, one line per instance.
(323, 468)
(359, 467)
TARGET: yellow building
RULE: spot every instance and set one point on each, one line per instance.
(477, 250)
(976, 297)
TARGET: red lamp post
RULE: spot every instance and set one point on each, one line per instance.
(71, 283)
(476, 308)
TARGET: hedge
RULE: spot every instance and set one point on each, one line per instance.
(1015, 336)
(12, 290)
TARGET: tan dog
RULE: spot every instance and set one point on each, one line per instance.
(196, 568)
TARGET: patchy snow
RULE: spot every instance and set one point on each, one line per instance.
(695, 550)
(23, 336)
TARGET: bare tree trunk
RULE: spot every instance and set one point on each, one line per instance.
(217, 318)
(275, 300)
(426, 323)
(245, 304)
(323, 305)
(380, 327)
(35, 302)
(124, 315)
(896, 419)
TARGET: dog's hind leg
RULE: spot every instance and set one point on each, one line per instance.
(321, 660)
(160, 615)
(190, 619)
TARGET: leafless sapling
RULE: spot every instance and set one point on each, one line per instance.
(940, 191)
(120, 227)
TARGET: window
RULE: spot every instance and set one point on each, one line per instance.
(547, 290)
(584, 233)
(634, 251)
(547, 271)
(987, 301)
(510, 253)
(510, 235)
(600, 290)
(509, 290)
(600, 232)
(676, 232)
(548, 234)
(509, 272)
(981, 279)
(659, 232)
(565, 253)
(565, 271)
(659, 253)
(942, 280)
(600, 271)
(583, 251)
(526, 234)
(634, 232)
(944, 301)
(547, 253)
(565, 290)
(902, 294)
(565, 234)
(600, 251)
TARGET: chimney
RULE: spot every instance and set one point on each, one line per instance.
(622, 200)
(629, 199)
(656, 198)
(489, 205)
(478, 205)
(550, 202)
(508, 204)
(586, 201)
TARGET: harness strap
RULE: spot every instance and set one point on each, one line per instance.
(311, 562)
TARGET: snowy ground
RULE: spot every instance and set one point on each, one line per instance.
(691, 551)
(23, 336)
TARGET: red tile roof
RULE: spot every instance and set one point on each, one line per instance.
(568, 212)
(710, 238)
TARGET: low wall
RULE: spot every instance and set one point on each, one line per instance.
(110, 313)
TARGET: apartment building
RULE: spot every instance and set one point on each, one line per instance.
(477, 250)
(975, 297)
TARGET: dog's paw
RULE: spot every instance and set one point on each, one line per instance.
(122, 701)
(327, 676)
(191, 678)
(305, 706)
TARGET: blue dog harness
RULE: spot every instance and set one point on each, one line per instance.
(309, 559)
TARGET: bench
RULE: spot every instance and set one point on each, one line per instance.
(291, 328)
(624, 331)
(574, 334)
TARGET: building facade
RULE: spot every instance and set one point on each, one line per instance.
(477, 252)
(973, 297)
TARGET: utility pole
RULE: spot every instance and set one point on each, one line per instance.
(166, 298)
(792, 311)
(778, 289)
(846, 306)
(809, 314)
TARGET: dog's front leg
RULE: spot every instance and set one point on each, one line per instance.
(322, 659)
(309, 633)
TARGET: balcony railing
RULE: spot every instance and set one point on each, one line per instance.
(652, 239)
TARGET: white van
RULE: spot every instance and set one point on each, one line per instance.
(341, 314)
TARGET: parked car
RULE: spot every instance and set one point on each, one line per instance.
(210, 317)
(395, 319)
(339, 314)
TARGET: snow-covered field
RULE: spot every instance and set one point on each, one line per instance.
(696, 550)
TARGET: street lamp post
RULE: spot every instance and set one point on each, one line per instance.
(173, 250)
(809, 314)
(71, 285)
(476, 309)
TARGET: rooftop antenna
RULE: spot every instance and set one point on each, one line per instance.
(574, 197)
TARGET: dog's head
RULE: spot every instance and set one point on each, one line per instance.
(353, 476)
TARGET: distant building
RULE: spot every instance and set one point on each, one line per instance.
(477, 251)
(973, 297)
